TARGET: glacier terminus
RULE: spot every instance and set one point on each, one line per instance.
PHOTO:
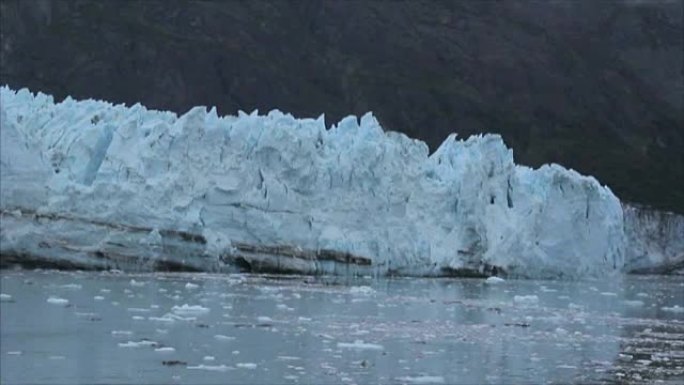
(92, 185)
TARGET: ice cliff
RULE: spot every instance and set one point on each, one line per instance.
(655, 241)
(94, 185)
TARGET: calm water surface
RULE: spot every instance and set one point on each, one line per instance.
(73, 327)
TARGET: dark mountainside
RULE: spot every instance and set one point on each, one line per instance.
(593, 85)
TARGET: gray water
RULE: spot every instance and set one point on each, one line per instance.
(121, 328)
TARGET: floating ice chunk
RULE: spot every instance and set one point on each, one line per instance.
(136, 283)
(288, 358)
(641, 294)
(105, 291)
(82, 314)
(137, 344)
(165, 318)
(526, 299)
(634, 303)
(213, 368)
(14, 353)
(121, 332)
(58, 301)
(359, 344)
(609, 294)
(303, 319)
(361, 290)
(98, 298)
(190, 310)
(673, 309)
(494, 280)
(138, 318)
(246, 365)
(221, 337)
(165, 349)
(422, 379)
(264, 319)
(191, 286)
(138, 310)
(209, 358)
(5, 297)
(71, 286)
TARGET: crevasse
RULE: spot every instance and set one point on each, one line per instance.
(95, 185)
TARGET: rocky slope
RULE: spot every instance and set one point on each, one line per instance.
(593, 85)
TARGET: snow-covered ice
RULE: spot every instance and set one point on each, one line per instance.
(422, 379)
(494, 280)
(5, 297)
(165, 349)
(214, 368)
(361, 290)
(191, 286)
(121, 332)
(111, 184)
(221, 337)
(673, 309)
(526, 299)
(57, 301)
(190, 310)
(359, 344)
(137, 344)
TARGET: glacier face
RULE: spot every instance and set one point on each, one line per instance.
(93, 184)
(655, 241)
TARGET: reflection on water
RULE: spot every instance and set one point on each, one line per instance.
(59, 327)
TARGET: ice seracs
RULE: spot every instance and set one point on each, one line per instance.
(130, 188)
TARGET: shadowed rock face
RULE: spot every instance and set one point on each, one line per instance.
(593, 85)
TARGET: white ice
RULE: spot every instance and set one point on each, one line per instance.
(58, 301)
(422, 379)
(165, 349)
(673, 309)
(526, 299)
(190, 310)
(360, 345)
(214, 368)
(108, 177)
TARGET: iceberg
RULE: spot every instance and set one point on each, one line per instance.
(89, 184)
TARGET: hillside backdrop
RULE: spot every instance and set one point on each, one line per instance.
(593, 85)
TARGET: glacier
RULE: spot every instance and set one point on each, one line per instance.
(655, 241)
(92, 185)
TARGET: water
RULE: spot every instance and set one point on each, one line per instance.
(120, 328)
